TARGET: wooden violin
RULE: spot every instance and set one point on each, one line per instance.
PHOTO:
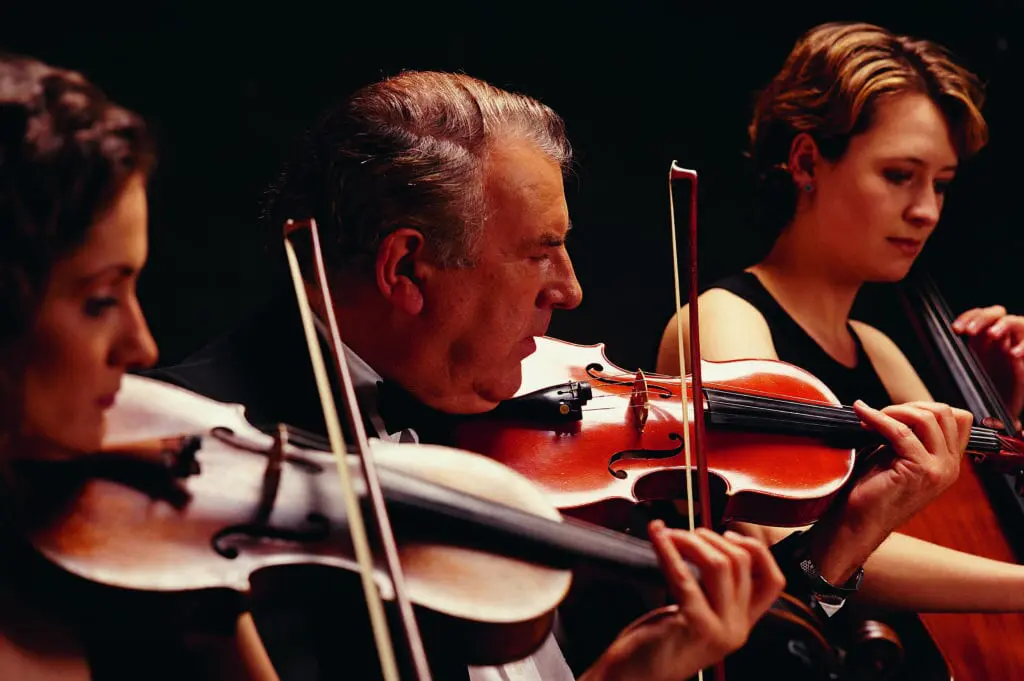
(486, 556)
(598, 439)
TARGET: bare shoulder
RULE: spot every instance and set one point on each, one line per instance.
(897, 373)
(730, 328)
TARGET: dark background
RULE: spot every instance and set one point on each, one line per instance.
(638, 84)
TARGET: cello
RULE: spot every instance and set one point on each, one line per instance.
(982, 513)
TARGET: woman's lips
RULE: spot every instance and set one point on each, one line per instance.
(906, 246)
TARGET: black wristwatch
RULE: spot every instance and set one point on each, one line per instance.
(803, 576)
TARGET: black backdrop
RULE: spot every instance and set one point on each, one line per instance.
(638, 83)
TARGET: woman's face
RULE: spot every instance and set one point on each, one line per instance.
(89, 330)
(878, 204)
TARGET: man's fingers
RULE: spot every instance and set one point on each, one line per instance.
(682, 583)
(715, 568)
(767, 580)
(739, 562)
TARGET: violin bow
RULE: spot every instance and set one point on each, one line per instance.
(357, 526)
(678, 173)
(697, 446)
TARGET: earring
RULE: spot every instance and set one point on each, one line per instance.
(808, 187)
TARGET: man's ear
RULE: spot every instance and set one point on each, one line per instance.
(804, 159)
(400, 268)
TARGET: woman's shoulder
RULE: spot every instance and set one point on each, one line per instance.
(731, 327)
(895, 371)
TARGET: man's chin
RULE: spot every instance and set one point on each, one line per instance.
(501, 388)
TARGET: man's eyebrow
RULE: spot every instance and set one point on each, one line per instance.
(554, 239)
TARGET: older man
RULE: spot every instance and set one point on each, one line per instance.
(441, 204)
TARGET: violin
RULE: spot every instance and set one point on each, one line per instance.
(188, 497)
(599, 440)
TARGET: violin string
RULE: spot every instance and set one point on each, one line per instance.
(724, 386)
(727, 387)
(981, 438)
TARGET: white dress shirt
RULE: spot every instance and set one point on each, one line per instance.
(547, 663)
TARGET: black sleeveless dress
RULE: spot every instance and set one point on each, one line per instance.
(794, 346)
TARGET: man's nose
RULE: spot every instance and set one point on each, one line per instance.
(564, 293)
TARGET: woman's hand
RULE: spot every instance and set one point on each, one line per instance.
(927, 441)
(739, 582)
(998, 340)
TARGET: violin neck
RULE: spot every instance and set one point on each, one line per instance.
(838, 425)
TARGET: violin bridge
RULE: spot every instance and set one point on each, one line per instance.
(272, 475)
(639, 401)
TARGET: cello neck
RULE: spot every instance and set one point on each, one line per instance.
(933, 321)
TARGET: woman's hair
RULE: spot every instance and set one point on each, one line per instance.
(829, 87)
(65, 153)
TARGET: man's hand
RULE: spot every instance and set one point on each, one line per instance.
(740, 581)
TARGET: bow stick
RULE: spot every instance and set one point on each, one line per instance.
(356, 524)
(678, 173)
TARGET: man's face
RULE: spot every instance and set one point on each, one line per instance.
(478, 323)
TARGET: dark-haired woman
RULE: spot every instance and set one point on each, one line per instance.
(73, 239)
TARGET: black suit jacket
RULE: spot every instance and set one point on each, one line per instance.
(314, 623)
(263, 364)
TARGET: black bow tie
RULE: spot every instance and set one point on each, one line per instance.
(400, 410)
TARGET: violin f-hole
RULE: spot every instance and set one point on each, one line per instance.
(318, 530)
(644, 455)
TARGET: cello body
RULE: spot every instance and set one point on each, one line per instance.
(981, 514)
(978, 647)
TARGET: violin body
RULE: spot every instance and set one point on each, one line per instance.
(602, 465)
(220, 526)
